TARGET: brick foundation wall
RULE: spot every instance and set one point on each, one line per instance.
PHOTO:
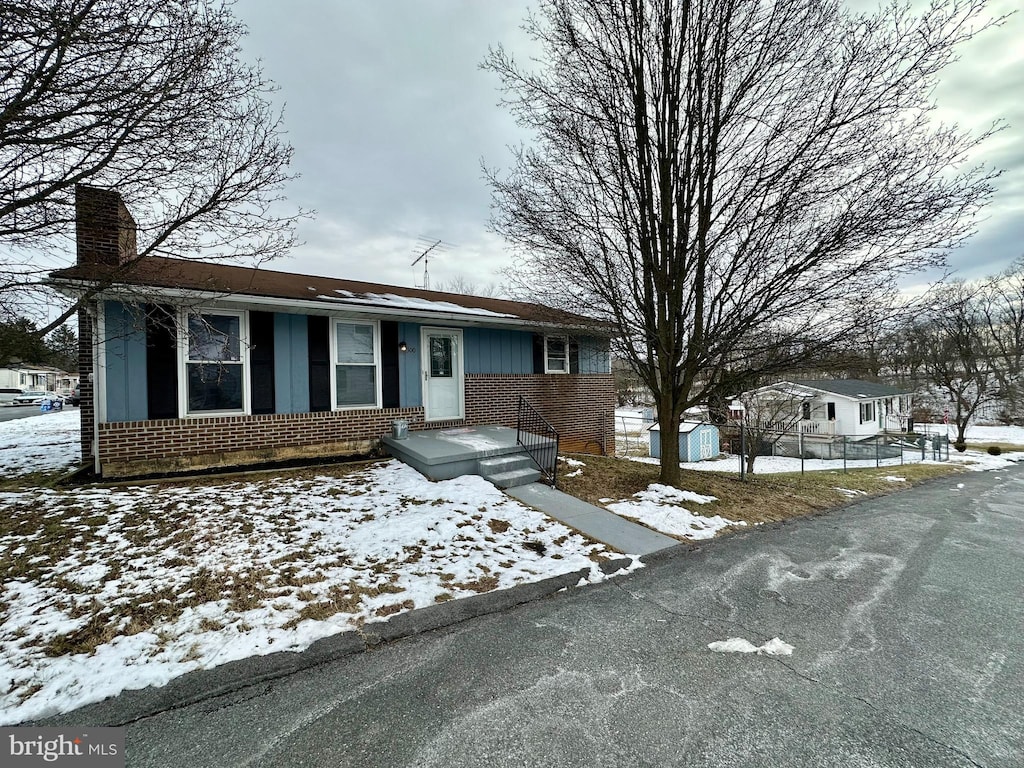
(581, 408)
(175, 445)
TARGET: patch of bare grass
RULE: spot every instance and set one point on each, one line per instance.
(498, 526)
(760, 499)
(483, 584)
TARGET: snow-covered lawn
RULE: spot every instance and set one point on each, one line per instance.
(106, 589)
(660, 507)
(45, 443)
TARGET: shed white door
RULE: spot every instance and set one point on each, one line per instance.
(441, 363)
(708, 449)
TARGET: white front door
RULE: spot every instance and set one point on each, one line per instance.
(441, 363)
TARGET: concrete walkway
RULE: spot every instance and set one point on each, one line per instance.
(607, 527)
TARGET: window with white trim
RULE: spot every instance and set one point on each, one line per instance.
(356, 365)
(215, 362)
(556, 354)
(867, 412)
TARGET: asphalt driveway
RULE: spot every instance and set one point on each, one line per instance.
(906, 615)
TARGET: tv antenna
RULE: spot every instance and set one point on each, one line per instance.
(428, 246)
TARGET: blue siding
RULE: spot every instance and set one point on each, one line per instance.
(410, 385)
(124, 358)
(494, 350)
(291, 364)
(594, 355)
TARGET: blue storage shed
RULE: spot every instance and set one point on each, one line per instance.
(697, 441)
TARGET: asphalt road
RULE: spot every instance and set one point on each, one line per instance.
(11, 412)
(906, 614)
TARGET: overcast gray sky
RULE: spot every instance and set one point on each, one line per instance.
(390, 117)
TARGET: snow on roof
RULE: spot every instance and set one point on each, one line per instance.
(408, 302)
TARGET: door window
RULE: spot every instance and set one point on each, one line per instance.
(441, 357)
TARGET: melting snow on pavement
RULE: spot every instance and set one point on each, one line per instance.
(774, 647)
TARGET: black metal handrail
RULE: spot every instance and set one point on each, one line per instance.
(539, 438)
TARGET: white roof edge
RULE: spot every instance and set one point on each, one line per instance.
(854, 398)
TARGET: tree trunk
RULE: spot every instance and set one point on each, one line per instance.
(750, 457)
(669, 417)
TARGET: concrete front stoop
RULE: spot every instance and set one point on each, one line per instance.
(509, 471)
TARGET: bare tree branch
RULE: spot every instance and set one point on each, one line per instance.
(149, 97)
(725, 180)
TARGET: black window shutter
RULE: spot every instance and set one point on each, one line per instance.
(319, 364)
(389, 363)
(538, 353)
(161, 362)
(574, 355)
(261, 361)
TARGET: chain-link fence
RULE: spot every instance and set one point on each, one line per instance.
(908, 447)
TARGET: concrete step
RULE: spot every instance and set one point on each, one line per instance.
(514, 477)
(506, 463)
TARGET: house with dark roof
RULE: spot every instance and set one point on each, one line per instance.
(830, 407)
(189, 365)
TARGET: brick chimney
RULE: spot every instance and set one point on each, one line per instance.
(104, 229)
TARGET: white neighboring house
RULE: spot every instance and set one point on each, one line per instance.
(24, 377)
(828, 407)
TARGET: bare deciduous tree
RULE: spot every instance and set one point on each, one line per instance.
(1002, 309)
(146, 96)
(951, 344)
(771, 413)
(709, 175)
(459, 284)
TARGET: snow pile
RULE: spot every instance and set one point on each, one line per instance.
(851, 493)
(114, 588)
(50, 442)
(573, 463)
(774, 647)
(658, 508)
(980, 461)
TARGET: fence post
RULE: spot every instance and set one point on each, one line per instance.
(878, 463)
(800, 438)
(844, 454)
(743, 452)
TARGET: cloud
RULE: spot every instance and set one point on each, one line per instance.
(390, 117)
